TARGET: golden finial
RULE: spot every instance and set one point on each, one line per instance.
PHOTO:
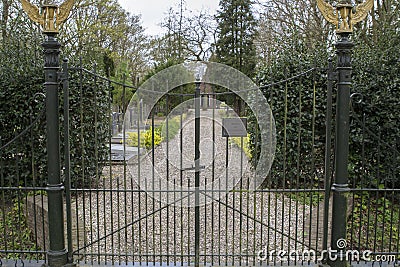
(344, 16)
(50, 17)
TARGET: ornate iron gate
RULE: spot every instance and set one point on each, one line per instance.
(118, 211)
(122, 213)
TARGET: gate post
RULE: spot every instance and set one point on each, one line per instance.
(50, 18)
(57, 254)
(340, 186)
(344, 15)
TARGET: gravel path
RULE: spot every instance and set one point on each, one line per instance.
(135, 226)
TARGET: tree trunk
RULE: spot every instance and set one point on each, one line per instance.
(4, 19)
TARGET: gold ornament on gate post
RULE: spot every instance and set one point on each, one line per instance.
(49, 16)
(345, 15)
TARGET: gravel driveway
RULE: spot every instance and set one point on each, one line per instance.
(133, 225)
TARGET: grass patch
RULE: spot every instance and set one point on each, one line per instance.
(308, 198)
(374, 223)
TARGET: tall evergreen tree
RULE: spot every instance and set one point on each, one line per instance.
(236, 32)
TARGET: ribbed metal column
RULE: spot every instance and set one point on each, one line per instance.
(340, 188)
(57, 254)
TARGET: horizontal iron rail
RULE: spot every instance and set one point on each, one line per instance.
(288, 79)
(101, 77)
(22, 251)
(201, 190)
(374, 189)
(318, 253)
(22, 188)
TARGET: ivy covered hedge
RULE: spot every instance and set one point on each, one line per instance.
(299, 108)
(22, 102)
(90, 127)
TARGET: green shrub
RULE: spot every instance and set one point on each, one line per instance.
(246, 145)
(374, 222)
(148, 137)
(133, 139)
(299, 108)
(15, 233)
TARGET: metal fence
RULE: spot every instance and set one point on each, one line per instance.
(115, 211)
(23, 208)
(120, 220)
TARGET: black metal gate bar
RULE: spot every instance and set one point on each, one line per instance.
(197, 175)
(67, 159)
(328, 160)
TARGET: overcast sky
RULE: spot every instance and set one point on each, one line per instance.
(153, 11)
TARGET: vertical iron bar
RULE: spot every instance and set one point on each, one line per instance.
(328, 142)
(269, 185)
(298, 164)
(91, 179)
(133, 214)
(261, 208)
(139, 116)
(96, 152)
(67, 161)
(82, 142)
(340, 187)
(181, 173)
(213, 174)
(3, 203)
(167, 174)
(226, 198)
(34, 184)
(57, 254)
(124, 166)
(111, 168)
(153, 184)
(105, 221)
(377, 177)
(313, 169)
(285, 142)
(362, 177)
(197, 174)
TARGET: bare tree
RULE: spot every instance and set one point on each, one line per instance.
(189, 34)
(284, 19)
